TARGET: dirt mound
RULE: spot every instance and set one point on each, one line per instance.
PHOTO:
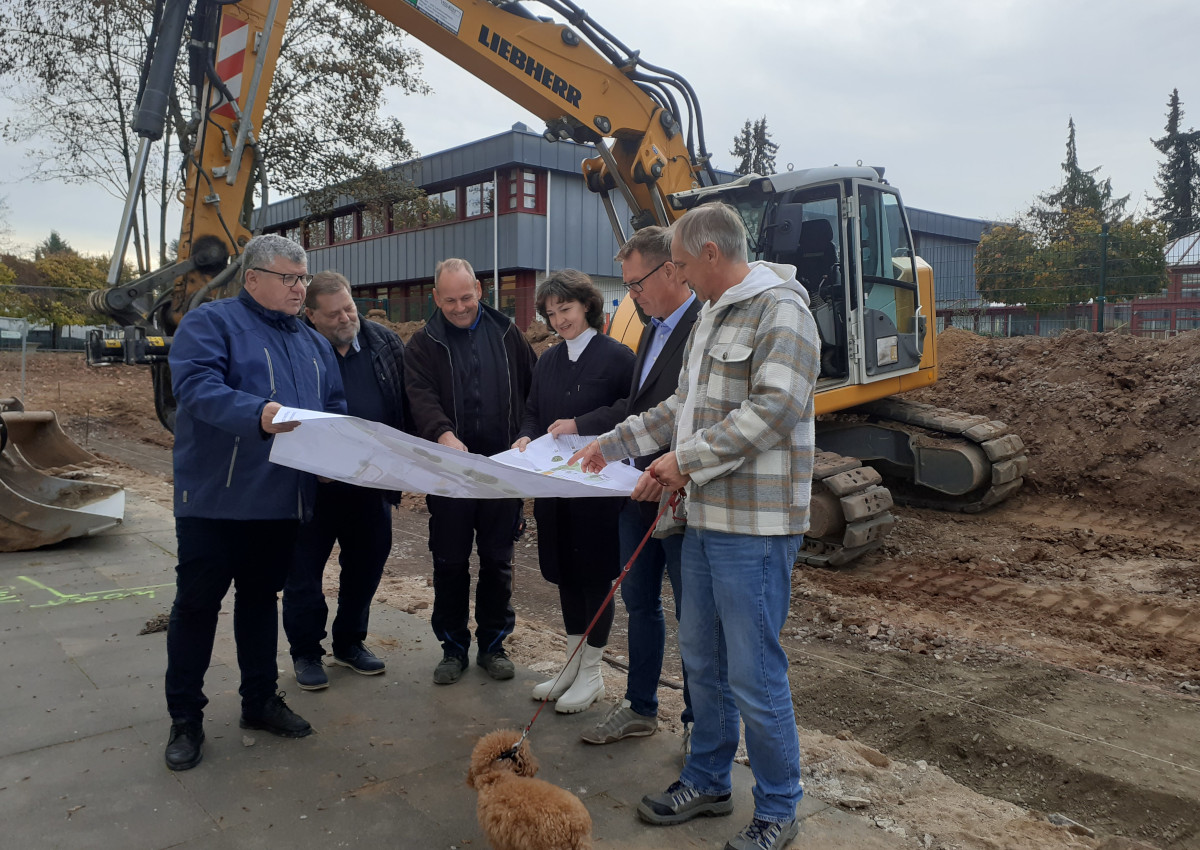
(540, 337)
(1106, 417)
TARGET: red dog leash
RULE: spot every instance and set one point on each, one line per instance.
(672, 502)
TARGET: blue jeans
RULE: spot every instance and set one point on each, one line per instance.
(360, 520)
(737, 599)
(641, 591)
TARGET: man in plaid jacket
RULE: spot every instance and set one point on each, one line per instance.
(740, 428)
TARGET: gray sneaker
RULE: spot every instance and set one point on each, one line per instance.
(621, 722)
(681, 803)
(449, 669)
(764, 835)
(497, 664)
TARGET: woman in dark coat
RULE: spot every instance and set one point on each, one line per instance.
(577, 538)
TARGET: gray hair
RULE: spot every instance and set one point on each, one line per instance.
(325, 283)
(261, 251)
(716, 223)
(653, 243)
(454, 264)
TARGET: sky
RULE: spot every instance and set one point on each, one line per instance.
(965, 103)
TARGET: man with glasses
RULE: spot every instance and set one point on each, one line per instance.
(741, 433)
(359, 519)
(234, 363)
(662, 294)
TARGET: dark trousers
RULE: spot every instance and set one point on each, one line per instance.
(253, 556)
(454, 524)
(359, 519)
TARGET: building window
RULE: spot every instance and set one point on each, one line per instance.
(294, 233)
(374, 222)
(1189, 292)
(343, 228)
(480, 199)
(1187, 324)
(406, 215)
(442, 206)
(1146, 315)
(316, 233)
(522, 190)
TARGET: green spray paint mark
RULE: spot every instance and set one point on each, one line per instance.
(57, 598)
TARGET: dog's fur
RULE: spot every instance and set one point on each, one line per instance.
(518, 812)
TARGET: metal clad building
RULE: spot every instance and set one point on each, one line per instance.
(497, 202)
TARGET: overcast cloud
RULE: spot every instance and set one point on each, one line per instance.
(965, 103)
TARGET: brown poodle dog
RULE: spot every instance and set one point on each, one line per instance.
(518, 812)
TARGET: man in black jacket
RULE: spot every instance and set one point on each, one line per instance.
(467, 374)
(654, 283)
(371, 360)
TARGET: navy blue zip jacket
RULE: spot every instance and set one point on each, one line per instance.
(228, 359)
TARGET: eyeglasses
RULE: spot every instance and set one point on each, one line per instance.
(636, 286)
(289, 280)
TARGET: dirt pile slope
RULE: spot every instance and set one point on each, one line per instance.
(1110, 418)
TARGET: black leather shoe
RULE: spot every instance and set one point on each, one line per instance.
(275, 717)
(185, 747)
(359, 659)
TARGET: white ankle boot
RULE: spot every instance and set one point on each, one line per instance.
(558, 685)
(588, 685)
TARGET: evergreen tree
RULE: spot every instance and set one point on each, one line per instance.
(1179, 174)
(1052, 256)
(52, 244)
(754, 149)
(1080, 190)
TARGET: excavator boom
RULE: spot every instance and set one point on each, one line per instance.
(844, 229)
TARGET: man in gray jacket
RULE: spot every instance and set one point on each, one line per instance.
(741, 433)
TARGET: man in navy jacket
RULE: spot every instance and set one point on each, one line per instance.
(660, 291)
(234, 363)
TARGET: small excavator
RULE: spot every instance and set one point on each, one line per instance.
(845, 229)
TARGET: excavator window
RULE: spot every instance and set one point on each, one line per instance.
(889, 282)
(806, 232)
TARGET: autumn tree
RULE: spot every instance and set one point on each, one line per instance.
(1053, 255)
(78, 67)
(754, 149)
(1178, 180)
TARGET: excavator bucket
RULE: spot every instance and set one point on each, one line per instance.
(37, 509)
(40, 439)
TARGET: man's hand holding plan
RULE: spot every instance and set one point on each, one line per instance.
(371, 454)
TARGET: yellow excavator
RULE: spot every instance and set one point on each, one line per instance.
(845, 229)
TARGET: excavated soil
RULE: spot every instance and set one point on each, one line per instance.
(1024, 678)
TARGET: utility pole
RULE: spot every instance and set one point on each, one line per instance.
(1103, 274)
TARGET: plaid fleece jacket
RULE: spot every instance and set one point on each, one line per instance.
(747, 438)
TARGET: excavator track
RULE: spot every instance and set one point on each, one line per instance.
(850, 511)
(1001, 462)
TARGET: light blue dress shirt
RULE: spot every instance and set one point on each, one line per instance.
(662, 332)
